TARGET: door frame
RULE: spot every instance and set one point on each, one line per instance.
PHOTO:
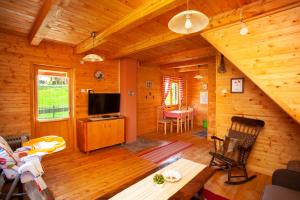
(70, 71)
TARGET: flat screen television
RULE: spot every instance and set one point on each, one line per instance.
(103, 103)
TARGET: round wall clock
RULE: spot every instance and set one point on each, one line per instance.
(99, 75)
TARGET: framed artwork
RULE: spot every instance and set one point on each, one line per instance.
(203, 97)
(237, 85)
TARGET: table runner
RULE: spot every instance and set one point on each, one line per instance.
(146, 189)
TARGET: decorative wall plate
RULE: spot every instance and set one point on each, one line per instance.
(99, 75)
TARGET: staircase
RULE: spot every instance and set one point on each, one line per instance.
(269, 55)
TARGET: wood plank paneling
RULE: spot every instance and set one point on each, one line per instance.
(211, 99)
(194, 87)
(85, 80)
(19, 16)
(268, 55)
(148, 99)
(278, 142)
(16, 67)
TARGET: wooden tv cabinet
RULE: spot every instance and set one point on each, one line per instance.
(96, 134)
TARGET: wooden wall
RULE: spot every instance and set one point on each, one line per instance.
(84, 76)
(211, 99)
(193, 87)
(148, 99)
(16, 68)
(278, 142)
(268, 55)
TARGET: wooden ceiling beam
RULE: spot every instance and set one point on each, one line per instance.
(201, 61)
(256, 9)
(192, 68)
(145, 12)
(48, 12)
(182, 56)
(150, 43)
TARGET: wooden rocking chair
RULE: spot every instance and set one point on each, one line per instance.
(234, 150)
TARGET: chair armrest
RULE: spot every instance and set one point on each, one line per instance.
(286, 178)
(218, 142)
(217, 138)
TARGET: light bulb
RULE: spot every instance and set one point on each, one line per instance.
(244, 29)
(188, 23)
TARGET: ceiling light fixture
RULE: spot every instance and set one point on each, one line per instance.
(92, 57)
(198, 76)
(244, 29)
(189, 21)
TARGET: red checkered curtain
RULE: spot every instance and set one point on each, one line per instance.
(166, 86)
(181, 89)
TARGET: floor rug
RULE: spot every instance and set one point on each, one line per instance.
(161, 153)
(142, 144)
(202, 133)
(212, 196)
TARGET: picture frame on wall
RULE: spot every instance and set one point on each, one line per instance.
(237, 85)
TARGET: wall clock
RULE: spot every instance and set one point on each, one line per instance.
(99, 75)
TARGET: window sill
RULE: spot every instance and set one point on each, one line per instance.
(53, 120)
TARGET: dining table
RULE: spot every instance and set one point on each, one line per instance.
(177, 114)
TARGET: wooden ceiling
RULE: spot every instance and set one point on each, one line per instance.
(122, 29)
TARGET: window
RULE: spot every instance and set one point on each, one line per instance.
(172, 98)
(53, 95)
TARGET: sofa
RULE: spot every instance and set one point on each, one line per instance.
(285, 183)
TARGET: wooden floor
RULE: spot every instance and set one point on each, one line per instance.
(79, 176)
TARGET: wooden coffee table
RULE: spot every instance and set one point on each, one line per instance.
(194, 175)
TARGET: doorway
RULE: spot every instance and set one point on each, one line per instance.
(53, 103)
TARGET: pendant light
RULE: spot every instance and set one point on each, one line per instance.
(243, 29)
(92, 57)
(198, 76)
(189, 21)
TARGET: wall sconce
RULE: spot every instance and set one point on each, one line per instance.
(221, 67)
(224, 92)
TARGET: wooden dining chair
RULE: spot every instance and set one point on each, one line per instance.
(162, 120)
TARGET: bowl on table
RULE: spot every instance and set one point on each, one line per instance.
(172, 176)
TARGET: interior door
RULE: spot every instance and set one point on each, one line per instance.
(53, 103)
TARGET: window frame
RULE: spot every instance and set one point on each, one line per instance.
(171, 95)
(37, 96)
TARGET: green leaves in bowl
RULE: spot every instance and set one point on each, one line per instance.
(158, 179)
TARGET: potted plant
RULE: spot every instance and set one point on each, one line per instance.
(159, 180)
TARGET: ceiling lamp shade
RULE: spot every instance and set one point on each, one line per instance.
(189, 21)
(92, 57)
(198, 76)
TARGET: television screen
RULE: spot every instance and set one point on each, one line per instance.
(103, 103)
